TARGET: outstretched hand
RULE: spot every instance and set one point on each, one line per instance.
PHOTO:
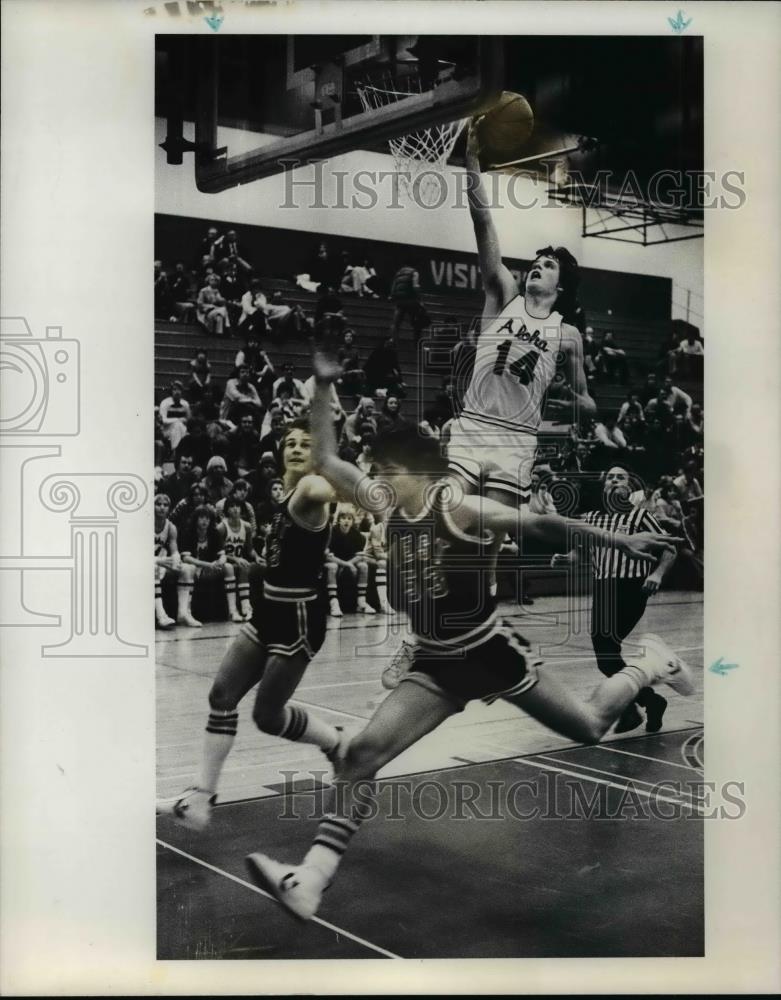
(325, 366)
(649, 545)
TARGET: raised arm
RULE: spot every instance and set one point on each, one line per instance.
(499, 284)
(347, 479)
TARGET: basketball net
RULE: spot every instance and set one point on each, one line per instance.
(419, 156)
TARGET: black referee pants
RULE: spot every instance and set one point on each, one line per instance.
(617, 606)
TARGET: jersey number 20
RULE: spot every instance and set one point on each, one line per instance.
(522, 369)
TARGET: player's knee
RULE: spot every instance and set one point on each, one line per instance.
(364, 757)
(222, 698)
(269, 719)
(592, 729)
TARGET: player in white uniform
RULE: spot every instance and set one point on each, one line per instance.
(236, 536)
(523, 344)
(168, 560)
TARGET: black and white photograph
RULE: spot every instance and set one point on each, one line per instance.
(430, 496)
(396, 324)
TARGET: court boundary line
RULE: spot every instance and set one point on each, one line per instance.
(613, 784)
(660, 760)
(691, 799)
(261, 892)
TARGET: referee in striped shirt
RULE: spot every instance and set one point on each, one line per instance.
(622, 586)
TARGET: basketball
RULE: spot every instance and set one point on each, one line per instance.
(504, 129)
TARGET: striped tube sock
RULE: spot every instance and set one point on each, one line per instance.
(333, 837)
(218, 740)
(243, 590)
(302, 727)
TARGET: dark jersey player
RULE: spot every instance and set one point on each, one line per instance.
(439, 562)
(285, 632)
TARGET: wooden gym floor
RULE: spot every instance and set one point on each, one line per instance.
(428, 878)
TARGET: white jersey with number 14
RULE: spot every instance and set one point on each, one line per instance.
(515, 363)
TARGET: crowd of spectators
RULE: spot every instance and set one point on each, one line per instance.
(220, 442)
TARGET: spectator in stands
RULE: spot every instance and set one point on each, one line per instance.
(174, 414)
(216, 482)
(289, 318)
(696, 422)
(443, 407)
(200, 387)
(668, 353)
(383, 370)
(630, 407)
(678, 400)
(692, 498)
(182, 513)
(239, 494)
(183, 293)
(164, 299)
(160, 445)
(177, 485)
(226, 248)
(260, 480)
(356, 423)
(591, 354)
(614, 362)
(405, 295)
(271, 443)
(576, 458)
(668, 511)
(345, 555)
(540, 501)
(270, 505)
(233, 287)
(633, 430)
(207, 245)
(364, 458)
(240, 394)
(212, 308)
(204, 272)
(325, 270)
(390, 415)
(358, 279)
(351, 381)
(288, 383)
(329, 314)
(252, 322)
(197, 444)
(261, 367)
(202, 548)
(608, 434)
(690, 353)
(650, 389)
(244, 449)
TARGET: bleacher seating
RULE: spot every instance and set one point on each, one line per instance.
(175, 344)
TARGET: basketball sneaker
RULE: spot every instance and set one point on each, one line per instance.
(333, 608)
(299, 888)
(192, 809)
(237, 617)
(398, 666)
(665, 663)
(365, 609)
(187, 619)
(164, 622)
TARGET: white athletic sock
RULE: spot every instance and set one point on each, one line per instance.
(333, 837)
(219, 738)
